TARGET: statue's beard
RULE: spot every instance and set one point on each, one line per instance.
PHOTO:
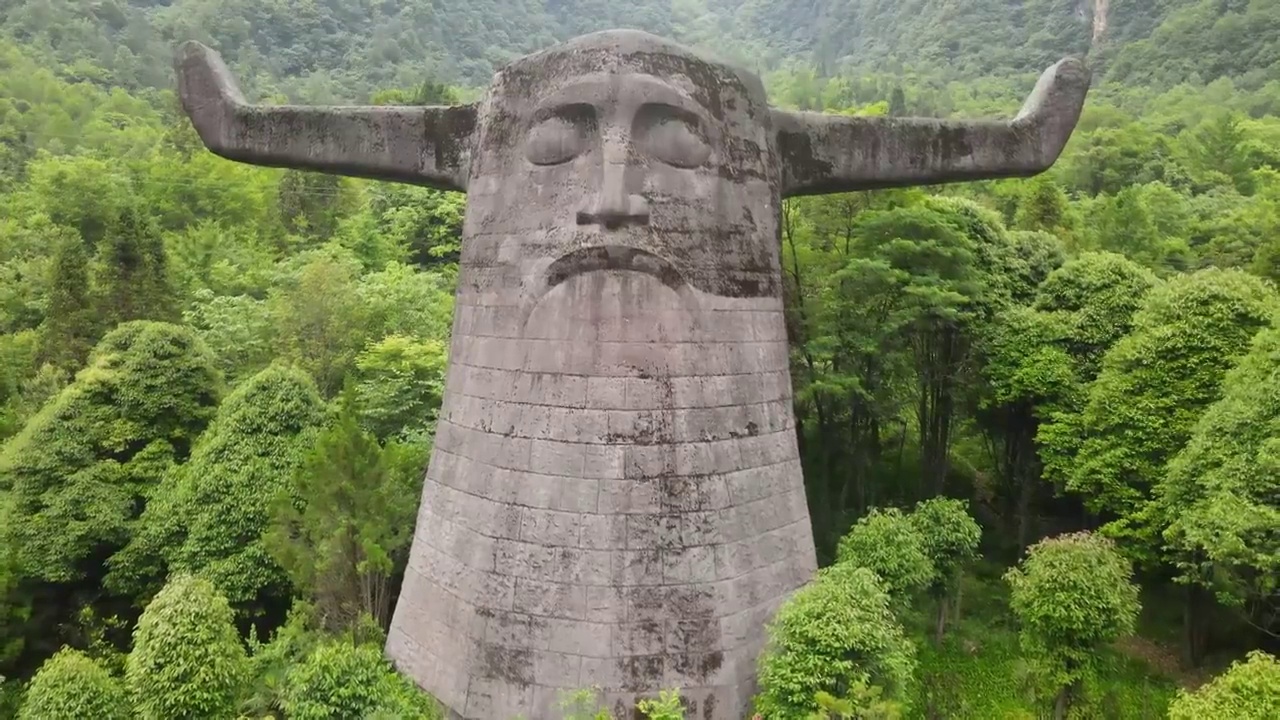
(613, 289)
(613, 257)
(586, 271)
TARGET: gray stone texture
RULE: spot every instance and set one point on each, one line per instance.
(615, 496)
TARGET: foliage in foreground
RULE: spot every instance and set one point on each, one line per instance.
(951, 537)
(187, 659)
(1249, 690)
(889, 544)
(212, 512)
(1154, 385)
(832, 635)
(1220, 498)
(341, 679)
(72, 685)
(1073, 594)
(344, 524)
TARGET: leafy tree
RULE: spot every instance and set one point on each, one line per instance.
(1026, 373)
(132, 277)
(15, 607)
(270, 662)
(1073, 595)
(862, 702)
(1220, 499)
(950, 538)
(401, 300)
(888, 543)
(427, 223)
(1125, 223)
(79, 192)
(934, 261)
(833, 635)
(82, 466)
(72, 685)
(213, 511)
(82, 470)
(1044, 207)
(401, 385)
(1051, 357)
(1096, 295)
(311, 203)
(68, 331)
(237, 329)
(429, 92)
(1216, 153)
(1153, 387)
(1248, 690)
(343, 526)
(320, 325)
(187, 660)
(339, 679)
(17, 358)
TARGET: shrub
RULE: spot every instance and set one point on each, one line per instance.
(71, 685)
(1073, 594)
(832, 635)
(890, 545)
(343, 680)
(1248, 690)
(187, 659)
(950, 537)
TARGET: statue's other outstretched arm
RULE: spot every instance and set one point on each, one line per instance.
(835, 153)
(420, 145)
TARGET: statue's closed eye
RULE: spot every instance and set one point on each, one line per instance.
(561, 136)
(671, 135)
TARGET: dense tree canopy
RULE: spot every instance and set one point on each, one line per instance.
(211, 514)
(1219, 501)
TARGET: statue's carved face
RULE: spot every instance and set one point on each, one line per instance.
(600, 156)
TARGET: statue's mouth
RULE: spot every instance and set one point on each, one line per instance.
(613, 257)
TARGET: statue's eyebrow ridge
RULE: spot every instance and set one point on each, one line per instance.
(636, 89)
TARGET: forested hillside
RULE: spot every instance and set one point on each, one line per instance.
(321, 50)
(1038, 418)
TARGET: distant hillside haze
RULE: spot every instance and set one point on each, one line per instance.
(345, 50)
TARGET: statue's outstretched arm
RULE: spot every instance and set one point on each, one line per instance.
(836, 153)
(421, 145)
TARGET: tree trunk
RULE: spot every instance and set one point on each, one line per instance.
(1193, 626)
(1026, 493)
(1061, 703)
(941, 628)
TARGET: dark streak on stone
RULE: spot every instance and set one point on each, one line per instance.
(514, 665)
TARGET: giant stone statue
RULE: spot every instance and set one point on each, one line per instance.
(614, 498)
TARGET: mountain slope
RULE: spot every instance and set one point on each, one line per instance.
(321, 50)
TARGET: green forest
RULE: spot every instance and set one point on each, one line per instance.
(1039, 419)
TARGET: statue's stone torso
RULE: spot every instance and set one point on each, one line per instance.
(615, 497)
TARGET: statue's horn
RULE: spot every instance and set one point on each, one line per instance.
(836, 153)
(420, 145)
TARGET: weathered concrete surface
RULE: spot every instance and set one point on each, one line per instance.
(832, 153)
(615, 497)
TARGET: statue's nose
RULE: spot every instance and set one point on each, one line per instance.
(616, 205)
